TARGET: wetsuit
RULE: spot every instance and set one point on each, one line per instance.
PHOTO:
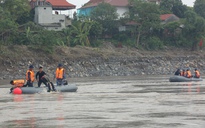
(48, 83)
(39, 77)
(177, 72)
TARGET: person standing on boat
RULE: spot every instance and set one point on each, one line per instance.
(39, 76)
(197, 74)
(30, 76)
(188, 73)
(60, 75)
(17, 83)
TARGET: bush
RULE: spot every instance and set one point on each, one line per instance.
(153, 43)
(124, 38)
(96, 43)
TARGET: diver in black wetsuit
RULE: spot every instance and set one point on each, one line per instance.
(48, 83)
(39, 75)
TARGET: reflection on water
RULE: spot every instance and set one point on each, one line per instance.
(18, 98)
(109, 103)
(190, 87)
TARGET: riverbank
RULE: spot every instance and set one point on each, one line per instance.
(96, 62)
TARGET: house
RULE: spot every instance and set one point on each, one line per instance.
(166, 18)
(44, 13)
(121, 6)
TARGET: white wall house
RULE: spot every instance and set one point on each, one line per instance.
(44, 14)
(45, 18)
(121, 6)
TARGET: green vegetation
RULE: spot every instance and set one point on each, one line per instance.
(146, 32)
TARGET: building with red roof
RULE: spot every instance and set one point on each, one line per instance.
(44, 13)
(122, 6)
(56, 4)
(116, 3)
(165, 18)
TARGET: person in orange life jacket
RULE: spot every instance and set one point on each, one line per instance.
(49, 84)
(184, 72)
(188, 73)
(181, 73)
(197, 74)
(17, 83)
(60, 75)
(30, 76)
(39, 76)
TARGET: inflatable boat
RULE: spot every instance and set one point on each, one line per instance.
(33, 90)
(183, 79)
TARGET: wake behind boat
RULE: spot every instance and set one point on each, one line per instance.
(183, 79)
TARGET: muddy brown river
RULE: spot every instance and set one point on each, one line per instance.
(109, 102)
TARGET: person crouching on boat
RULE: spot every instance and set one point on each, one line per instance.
(197, 74)
(188, 73)
(49, 84)
(17, 83)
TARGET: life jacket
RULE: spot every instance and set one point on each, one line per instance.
(197, 74)
(184, 73)
(181, 73)
(188, 75)
(19, 83)
(32, 75)
(59, 73)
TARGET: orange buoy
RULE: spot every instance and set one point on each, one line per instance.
(17, 91)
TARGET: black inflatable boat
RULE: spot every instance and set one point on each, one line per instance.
(33, 90)
(183, 79)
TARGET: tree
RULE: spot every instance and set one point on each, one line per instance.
(106, 15)
(199, 7)
(194, 28)
(80, 32)
(146, 15)
(173, 6)
(18, 9)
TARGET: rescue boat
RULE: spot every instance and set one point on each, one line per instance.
(33, 90)
(183, 79)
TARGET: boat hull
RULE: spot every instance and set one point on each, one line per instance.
(63, 88)
(183, 79)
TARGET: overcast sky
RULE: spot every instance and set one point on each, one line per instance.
(189, 2)
(79, 3)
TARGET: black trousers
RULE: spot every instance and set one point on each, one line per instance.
(48, 83)
(40, 82)
(29, 84)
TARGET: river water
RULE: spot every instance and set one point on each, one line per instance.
(109, 102)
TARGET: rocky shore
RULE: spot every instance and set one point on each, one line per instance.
(106, 61)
